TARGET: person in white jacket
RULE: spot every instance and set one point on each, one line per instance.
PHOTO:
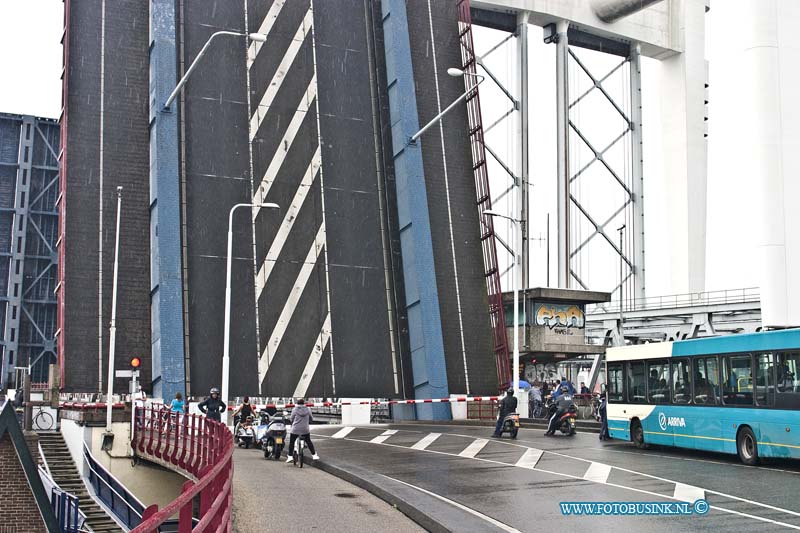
(301, 427)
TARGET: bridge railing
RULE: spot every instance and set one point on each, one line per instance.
(672, 301)
(197, 447)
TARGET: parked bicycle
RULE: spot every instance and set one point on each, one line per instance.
(42, 420)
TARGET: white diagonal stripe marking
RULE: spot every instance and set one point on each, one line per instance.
(426, 441)
(342, 433)
(383, 436)
(280, 74)
(597, 472)
(264, 29)
(313, 359)
(286, 143)
(291, 304)
(288, 221)
(529, 458)
(473, 449)
(688, 493)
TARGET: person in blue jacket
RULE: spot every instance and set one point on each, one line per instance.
(564, 383)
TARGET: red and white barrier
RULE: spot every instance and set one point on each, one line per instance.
(382, 402)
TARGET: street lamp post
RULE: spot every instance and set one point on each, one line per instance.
(257, 37)
(455, 72)
(226, 356)
(516, 222)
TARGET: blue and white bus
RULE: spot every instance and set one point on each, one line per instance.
(733, 394)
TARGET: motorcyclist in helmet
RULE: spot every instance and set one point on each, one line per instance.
(508, 405)
(212, 406)
(561, 405)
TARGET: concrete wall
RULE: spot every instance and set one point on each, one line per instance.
(148, 483)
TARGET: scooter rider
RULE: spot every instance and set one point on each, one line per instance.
(212, 406)
(244, 412)
(507, 406)
(562, 403)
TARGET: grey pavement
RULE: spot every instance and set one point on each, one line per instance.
(518, 485)
(275, 496)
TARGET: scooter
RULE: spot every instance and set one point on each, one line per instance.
(245, 433)
(566, 422)
(510, 425)
(274, 438)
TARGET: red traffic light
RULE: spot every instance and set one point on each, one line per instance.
(135, 362)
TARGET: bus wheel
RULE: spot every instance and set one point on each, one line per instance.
(747, 446)
(637, 435)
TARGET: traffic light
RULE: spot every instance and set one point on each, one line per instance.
(135, 363)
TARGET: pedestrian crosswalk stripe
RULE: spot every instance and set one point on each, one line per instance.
(597, 472)
(426, 441)
(688, 493)
(342, 433)
(383, 436)
(529, 458)
(473, 449)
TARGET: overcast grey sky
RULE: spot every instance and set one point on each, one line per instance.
(31, 63)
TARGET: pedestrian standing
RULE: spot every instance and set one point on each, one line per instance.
(212, 407)
(603, 419)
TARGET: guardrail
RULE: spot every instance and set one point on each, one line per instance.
(65, 505)
(672, 301)
(113, 493)
(197, 447)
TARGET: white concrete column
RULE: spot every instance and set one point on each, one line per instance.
(771, 126)
(683, 78)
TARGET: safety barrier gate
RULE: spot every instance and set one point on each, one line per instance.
(197, 447)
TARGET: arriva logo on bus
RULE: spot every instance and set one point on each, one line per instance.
(672, 421)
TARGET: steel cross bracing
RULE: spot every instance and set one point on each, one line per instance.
(626, 175)
(32, 184)
(484, 200)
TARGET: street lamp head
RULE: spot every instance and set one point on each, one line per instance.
(258, 37)
(455, 72)
(492, 213)
(266, 205)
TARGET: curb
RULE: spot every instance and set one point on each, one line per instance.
(527, 423)
(361, 479)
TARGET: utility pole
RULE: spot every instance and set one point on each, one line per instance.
(112, 337)
(621, 229)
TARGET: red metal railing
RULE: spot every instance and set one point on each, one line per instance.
(484, 201)
(197, 447)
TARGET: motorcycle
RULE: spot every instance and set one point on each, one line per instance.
(566, 422)
(510, 425)
(245, 433)
(274, 437)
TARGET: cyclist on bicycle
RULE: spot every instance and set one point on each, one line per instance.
(301, 421)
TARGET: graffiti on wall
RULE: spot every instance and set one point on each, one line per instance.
(563, 315)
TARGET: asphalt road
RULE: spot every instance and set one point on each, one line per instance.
(518, 485)
(275, 496)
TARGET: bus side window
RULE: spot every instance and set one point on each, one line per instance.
(681, 389)
(788, 376)
(657, 385)
(706, 381)
(765, 380)
(637, 382)
(615, 383)
(737, 382)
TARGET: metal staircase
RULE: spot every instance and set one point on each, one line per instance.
(65, 474)
(484, 200)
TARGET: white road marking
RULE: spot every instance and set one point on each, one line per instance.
(471, 511)
(290, 305)
(383, 436)
(473, 449)
(529, 458)
(313, 358)
(707, 491)
(426, 441)
(342, 433)
(264, 29)
(688, 493)
(598, 472)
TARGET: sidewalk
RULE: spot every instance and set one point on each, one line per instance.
(275, 496)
